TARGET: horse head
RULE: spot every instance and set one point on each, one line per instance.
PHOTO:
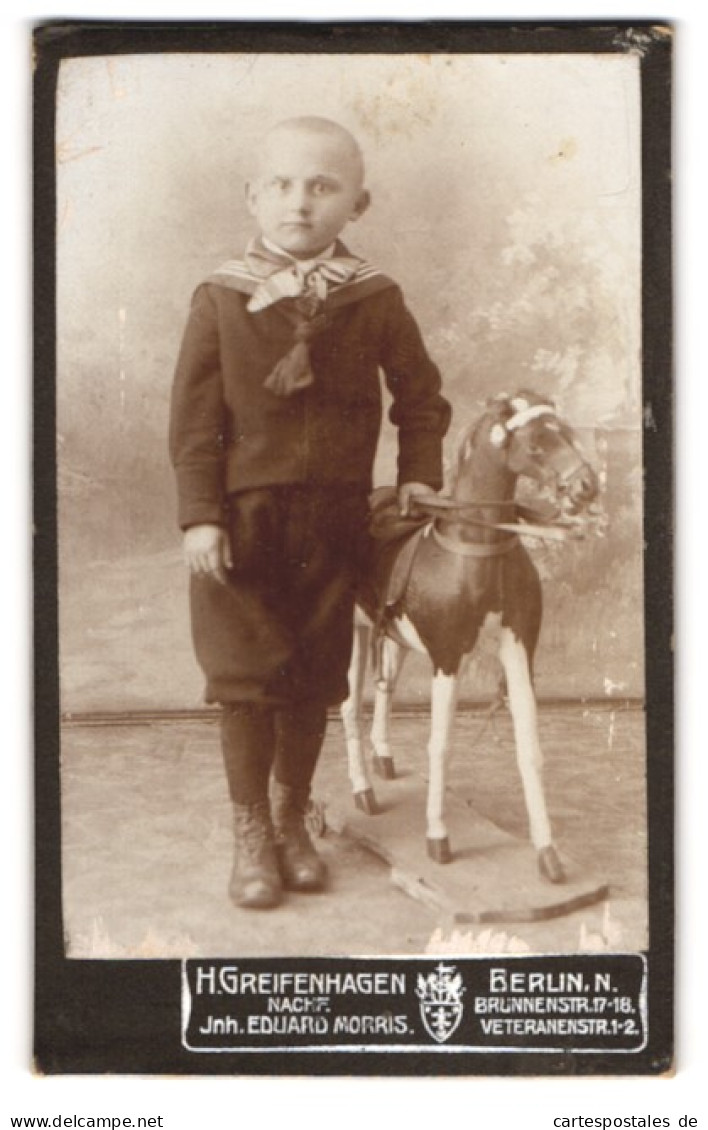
(523, 435)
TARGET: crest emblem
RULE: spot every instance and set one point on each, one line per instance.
(440, 995)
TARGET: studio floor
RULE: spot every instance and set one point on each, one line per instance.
(146, 849)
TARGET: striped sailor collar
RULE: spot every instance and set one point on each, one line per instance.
(236, 274)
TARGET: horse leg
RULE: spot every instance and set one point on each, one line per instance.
(522, 703)
(392, 659)
(350, 712)
(445, 690)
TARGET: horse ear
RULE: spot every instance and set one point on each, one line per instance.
(498, 435)
(501, 406)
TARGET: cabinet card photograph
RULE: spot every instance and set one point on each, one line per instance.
(353, 496)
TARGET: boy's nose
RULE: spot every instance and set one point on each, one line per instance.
(300, 198)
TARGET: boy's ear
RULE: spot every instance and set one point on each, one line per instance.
(362, 203)
(251, 196)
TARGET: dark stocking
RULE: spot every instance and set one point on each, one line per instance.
(248, 745)
(300, 733)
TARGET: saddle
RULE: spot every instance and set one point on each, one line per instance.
(394, 542)
(386, 523)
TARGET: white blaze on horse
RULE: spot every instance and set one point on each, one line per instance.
(432, 590)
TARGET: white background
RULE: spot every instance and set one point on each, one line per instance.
(482, 1103)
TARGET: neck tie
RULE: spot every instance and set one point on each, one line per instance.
(307, 284)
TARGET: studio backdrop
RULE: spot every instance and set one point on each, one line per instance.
(506, 202)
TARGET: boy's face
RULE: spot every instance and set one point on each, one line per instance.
(308, 187)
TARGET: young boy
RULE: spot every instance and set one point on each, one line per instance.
(276, 412)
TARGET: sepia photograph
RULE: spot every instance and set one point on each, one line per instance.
(349, 432)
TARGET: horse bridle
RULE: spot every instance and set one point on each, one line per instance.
(533, 412)
(536, 523)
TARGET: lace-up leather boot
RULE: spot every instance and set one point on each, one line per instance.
(300, 866)
(255, 878)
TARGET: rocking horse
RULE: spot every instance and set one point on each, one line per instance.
(434, 580)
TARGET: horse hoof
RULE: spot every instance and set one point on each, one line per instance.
(365, 801)
(550, 866)
(439, 850)
(385, 768)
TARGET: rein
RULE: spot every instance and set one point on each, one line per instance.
(534, 523)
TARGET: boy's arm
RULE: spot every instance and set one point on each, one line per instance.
(419, 411)
(198, 419)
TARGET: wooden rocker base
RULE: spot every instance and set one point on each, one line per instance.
(493, 876)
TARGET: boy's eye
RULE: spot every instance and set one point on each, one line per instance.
(316, 188)
(324, 187)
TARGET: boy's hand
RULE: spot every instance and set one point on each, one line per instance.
(207, 552)
(406, 493)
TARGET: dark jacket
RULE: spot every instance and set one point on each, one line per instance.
(228, 433)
